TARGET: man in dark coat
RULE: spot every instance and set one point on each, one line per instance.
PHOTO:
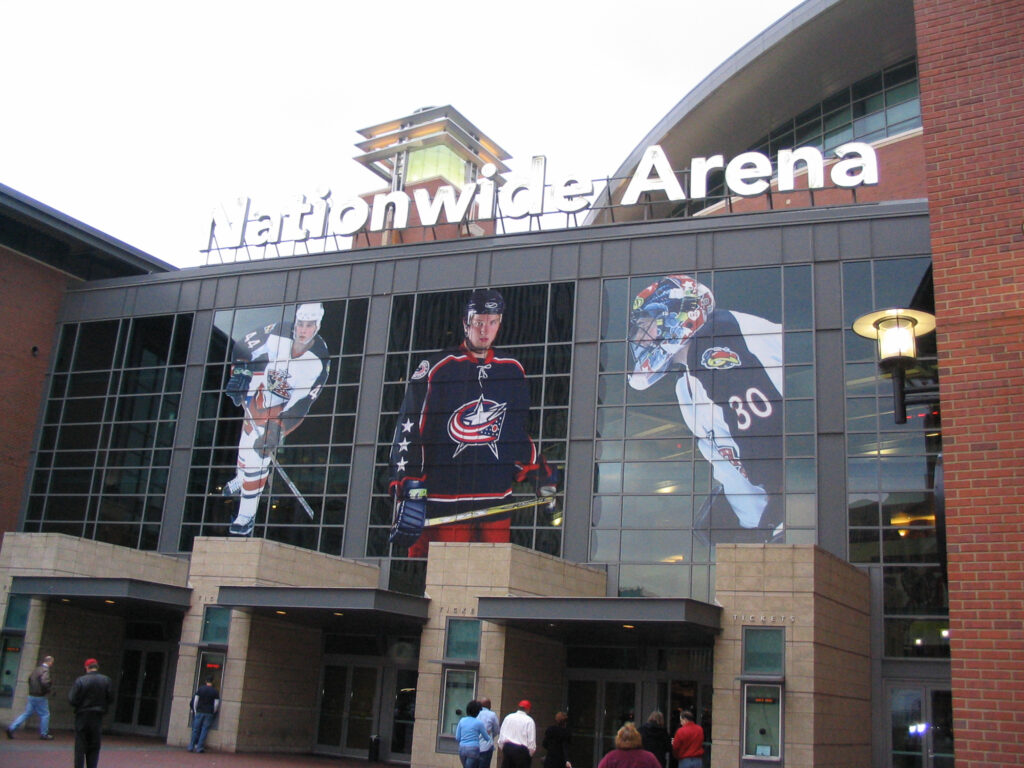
(90, 697)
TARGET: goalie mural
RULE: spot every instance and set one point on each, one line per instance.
(461, 440)
(278, 371)
(729, 372)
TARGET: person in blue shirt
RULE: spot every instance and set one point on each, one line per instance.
(471, 735)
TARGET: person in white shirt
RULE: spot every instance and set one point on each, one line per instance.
(518, 737)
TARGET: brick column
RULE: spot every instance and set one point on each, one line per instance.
(971, 59)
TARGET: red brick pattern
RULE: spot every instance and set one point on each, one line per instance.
(971, 64)
(30, 298)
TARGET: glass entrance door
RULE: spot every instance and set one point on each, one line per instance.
(597, 709)
(140, 689)
(348, 706)
(921, 726)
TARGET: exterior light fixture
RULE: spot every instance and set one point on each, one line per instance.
(896, 331)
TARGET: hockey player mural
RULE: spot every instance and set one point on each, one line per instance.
(461, 440)
(729, 389)
(278, 371)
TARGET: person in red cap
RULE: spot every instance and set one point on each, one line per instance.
(518, 737)
(90, 697)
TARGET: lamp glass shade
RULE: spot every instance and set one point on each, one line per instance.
(896, 338)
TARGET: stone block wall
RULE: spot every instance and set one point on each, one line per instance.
(823, 604)
(513, 665)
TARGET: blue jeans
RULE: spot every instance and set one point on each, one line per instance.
(485, 758)
(691, 762)
(201, 722)
(470, 756)
(37, 705)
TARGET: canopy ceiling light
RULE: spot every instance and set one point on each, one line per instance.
(896, 331)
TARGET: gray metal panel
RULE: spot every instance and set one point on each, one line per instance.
(592, 255)
(748, 247)
(383, 276)
(227, 292)
(615, 258)
(665, 255)
(832, 494)
(527, 265)
(262, 288)
(357, 511)
(565, 261)
(125, 589)
(830, 382)
(446, 272)
(188, 298)
(579, 483)
(797, 245)
(157, 299)
(828, 303)
(361, 282)
(899, 237)
(326, 598)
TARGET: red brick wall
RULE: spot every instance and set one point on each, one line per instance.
(30, 299)
(971, 59)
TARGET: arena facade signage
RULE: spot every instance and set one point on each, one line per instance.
(318, 216)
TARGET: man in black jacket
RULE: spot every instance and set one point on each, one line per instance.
(90, 697)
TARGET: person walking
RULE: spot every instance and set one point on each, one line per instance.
(518, 737)
(688, 743)
(205, 704)
(492, 726)
(471, 734)
(556, 742)
(655, 737)
(629, 751)
(39, 686)
(90, 697)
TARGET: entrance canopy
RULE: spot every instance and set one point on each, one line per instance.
(611, 620)
(122, 596)
(337, 609)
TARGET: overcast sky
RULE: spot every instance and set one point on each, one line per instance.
(138, 118)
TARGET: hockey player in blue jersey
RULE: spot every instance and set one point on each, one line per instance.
(730, 394)
(278, 372)
(461, 439)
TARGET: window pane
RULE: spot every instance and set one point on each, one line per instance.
(762, 720)
(17, 612)
(764, 651)
(459, 686)
(463, 639)
(216, 623)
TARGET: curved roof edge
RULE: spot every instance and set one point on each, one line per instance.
(68, 244)
(815, 49)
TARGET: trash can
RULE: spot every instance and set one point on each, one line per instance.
(373, 754)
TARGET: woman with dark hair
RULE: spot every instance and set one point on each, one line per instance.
(628, 752)
(470, 733)
(556, 742)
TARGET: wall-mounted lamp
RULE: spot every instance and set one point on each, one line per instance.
(896, 331)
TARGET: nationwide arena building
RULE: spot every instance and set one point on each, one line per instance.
(814, 545)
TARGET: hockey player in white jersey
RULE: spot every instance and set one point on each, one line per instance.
(278, 372)
(730, 394)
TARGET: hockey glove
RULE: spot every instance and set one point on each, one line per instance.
(268, 443)
(545, 478)
(238, 384)
(410, 514)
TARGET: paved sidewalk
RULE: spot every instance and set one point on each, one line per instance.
(26, 750)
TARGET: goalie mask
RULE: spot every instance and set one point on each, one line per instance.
(665, 315)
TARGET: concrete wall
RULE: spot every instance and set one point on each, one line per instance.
(272, 669)
(823, 603)
(513, 665)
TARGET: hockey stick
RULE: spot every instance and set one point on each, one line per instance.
(280, 470)
(496, 510)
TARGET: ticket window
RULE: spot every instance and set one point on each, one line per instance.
(764, 665)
